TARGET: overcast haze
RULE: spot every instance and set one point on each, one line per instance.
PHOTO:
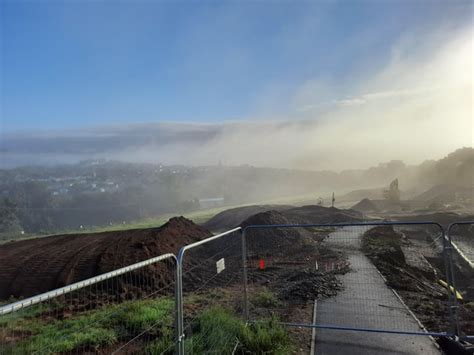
(312, 85)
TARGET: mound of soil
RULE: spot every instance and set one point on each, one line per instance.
(321, 215)
(233, 217)
(273, 241)
(34, 266)
(365, 206)
(306, 285)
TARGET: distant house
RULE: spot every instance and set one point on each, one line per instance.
(211, 202)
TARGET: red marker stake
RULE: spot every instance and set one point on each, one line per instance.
(262, 264)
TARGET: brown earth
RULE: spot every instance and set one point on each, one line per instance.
(313, 214)
(233, 217)
(281, 240)
(34, 266)
(418, 287)
(306, 214)
(443, 218)
(365, 206)
(273, 241)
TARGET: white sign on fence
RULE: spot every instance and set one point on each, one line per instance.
(220, 265)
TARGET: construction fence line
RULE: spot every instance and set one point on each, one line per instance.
(461, 264)
(355, 271)
(127, 310)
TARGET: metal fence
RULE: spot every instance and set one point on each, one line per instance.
(381, 277)
(346, 268)
(461, 240)
(211, 280)
(128, 310)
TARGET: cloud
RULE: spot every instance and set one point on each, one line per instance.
(418, 106)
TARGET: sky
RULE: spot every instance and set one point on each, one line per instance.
(339, 67)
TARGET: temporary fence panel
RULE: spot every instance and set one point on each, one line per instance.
(211, 293)
(461, 236)
(355, 276)
(128, 310)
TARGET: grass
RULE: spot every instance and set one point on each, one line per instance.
(198, 217)
(215, 330)
(91, 330)
(218, 331)
(265, 299)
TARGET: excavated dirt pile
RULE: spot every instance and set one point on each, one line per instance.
(308, 284)
(418, 288)
(365, 206)
(273, 241)
(34, 266)
(306, 214)
(233, 217)
(321, 215)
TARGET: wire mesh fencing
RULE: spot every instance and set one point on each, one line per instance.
(211, 293)
(461, 236)
(361, 276)
(126, 311)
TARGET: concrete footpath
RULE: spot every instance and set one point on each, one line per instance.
(366, 302)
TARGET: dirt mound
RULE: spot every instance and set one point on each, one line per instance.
(443, 218)
(321, 215)
(34, 266)
(307, 285)
(273, 240)
(445, 193)
(233, 217)
(365, 206)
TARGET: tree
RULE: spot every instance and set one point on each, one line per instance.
(34, 205)
(9, 222)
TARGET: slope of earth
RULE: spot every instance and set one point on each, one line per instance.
(34, 266)
(273, 240)
(365, 206)
(233, 217)
(443, 218)
(281, 240)
(321, 215)
(402, 260)
(445, 193)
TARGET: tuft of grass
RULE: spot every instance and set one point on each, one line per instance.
(267, 337)
(217, 331)
(265, 299)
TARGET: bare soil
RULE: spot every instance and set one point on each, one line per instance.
(38, 265)
(306, 214)
(392, 253)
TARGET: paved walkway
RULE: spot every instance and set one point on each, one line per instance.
(366, 302)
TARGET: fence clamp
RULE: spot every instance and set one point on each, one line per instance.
(181, 337)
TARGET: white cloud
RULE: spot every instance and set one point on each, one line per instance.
(419, 106)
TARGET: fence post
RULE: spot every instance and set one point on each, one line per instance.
(448, 272)
(244, 264)
(179, 303)
(454, 305)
